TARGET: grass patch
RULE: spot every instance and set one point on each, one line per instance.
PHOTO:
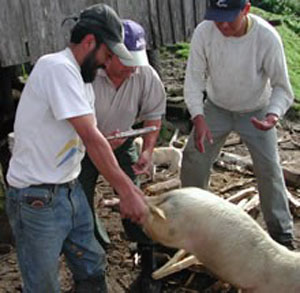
(180, 50)
(289, 32)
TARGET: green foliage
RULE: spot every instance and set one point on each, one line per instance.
(291, 41)
(24, 76)
(279, 6)
(181, 50)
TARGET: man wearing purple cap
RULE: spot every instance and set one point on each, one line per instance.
(128, 91)
(238, 59)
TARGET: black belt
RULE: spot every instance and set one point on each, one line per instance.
(69, 185)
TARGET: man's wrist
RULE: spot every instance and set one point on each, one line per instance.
(198, 119)
(273, 116)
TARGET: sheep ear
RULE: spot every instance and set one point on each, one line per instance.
(159, 212)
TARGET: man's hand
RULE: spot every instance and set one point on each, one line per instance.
(202, 132)
(133, 206)
(132, 203)
(265, 124)
(142, 166)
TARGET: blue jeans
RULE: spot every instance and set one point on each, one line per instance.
(262, 146)
(47, 222)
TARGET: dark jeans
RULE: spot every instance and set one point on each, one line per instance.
(126, 156)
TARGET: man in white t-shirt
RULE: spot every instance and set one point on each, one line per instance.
(127, 91)
(55, 123)
(238, 59)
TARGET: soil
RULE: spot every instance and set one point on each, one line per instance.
(122, 265)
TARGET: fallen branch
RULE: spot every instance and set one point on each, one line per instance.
(238, 184)
(297, 144)
(233, 159)
(294, 203)
(241, 164)
(242, 203)
(163, 186)
(241, 195)
(177, 267)
(233, 141)
(252, 204)
(292, 174)
(179, 255)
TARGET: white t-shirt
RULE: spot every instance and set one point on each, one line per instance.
(237, 72)
(47, 148)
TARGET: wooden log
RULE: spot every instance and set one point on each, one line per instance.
(291, 172)
(242, 202)
(179, 255)
(233, 159)
(294, 204)
(233, 141)
(238, 184)
(163, 186)
(252, 204)
(176, 267)
(241, 195)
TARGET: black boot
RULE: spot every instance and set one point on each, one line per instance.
(144, 282)
(91, 285)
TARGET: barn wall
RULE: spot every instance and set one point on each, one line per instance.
(31, 28)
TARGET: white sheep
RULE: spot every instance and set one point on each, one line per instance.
(225, 238)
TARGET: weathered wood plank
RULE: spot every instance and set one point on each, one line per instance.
(188, 18)
(71, 8)
(31, 28)
(200, 8)
(111, 3)
(128, 9)
(13, 34)
(154, 23)
(43, 21)
(164, 16)
(176, 13)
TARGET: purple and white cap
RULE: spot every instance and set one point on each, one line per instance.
(135, 42)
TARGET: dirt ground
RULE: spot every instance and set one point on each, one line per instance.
(122, 265)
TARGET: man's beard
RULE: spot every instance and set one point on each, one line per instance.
(89, 67)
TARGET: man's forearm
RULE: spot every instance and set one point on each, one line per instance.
(104, 159)
(101, 152)
(150, 139)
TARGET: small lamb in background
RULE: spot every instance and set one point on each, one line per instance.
(169, 155)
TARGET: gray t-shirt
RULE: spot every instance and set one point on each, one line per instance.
(140, 97)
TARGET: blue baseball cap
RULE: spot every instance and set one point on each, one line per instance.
(135, 43)
(224, 10)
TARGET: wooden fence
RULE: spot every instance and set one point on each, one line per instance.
(31, 28)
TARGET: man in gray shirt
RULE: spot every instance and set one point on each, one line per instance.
(238, 59)
(127, 92)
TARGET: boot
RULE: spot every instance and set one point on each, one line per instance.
(144, 282)
(91, 285)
